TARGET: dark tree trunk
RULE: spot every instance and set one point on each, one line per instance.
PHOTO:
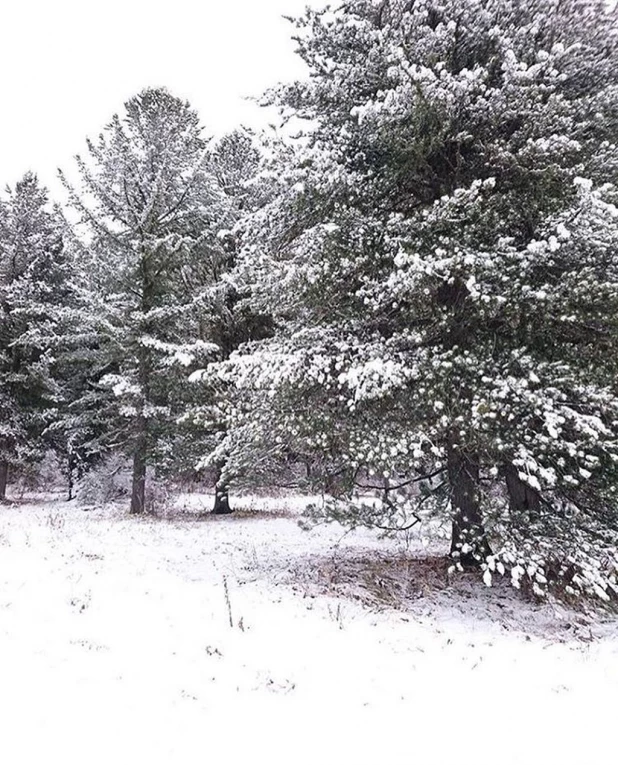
(330, 485)
(140, 454)
(222, 501)
(4, 477)
(138, 489)
(522, 497)
(70, 476)
(222, 496)
(469, 541)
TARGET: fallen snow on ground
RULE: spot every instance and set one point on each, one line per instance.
(246, 639)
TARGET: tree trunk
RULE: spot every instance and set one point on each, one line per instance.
(222, 501)
(138, 488)
(70, 476)
(522, 497)
(140, 455)
(4, 476)
(222, 496)
(469, 541)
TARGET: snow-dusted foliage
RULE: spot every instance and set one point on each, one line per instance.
(151, 216)
(442, 267)
(34, 287)
(237, 162)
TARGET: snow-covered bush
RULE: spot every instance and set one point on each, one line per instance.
(110, 481)
(43, 476)
(107, 482)
(157, 497)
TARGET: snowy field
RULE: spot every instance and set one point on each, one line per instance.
(116, 647)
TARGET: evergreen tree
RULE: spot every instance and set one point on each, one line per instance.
(151, 211)
(80, 433)
(229, 321)
(442, 268)
(34, 283)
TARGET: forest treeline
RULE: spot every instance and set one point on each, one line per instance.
(406, 300)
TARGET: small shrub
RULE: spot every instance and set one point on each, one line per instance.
(108, 482)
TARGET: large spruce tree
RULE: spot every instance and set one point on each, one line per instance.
(443, 269)
(150, 215)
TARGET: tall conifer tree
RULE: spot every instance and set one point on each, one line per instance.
(34, 283)
(151, 211)
(443, 271)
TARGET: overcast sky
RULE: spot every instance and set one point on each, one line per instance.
(68, 65)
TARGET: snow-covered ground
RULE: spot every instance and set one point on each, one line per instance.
(116, 647)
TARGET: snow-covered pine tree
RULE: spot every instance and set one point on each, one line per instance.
(80, 433)
(151, 211)
(443, 269)
(34, 283)
(237, 162)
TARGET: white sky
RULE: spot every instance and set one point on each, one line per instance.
(68, 65)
